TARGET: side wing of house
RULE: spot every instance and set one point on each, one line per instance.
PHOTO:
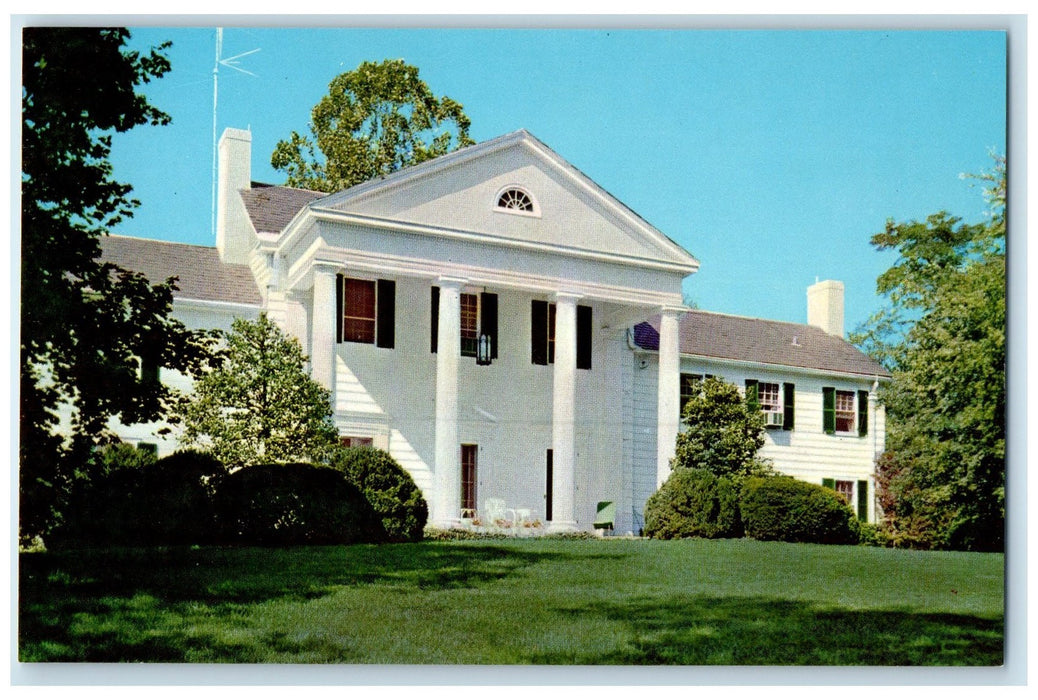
(210, 295)
(817, 392)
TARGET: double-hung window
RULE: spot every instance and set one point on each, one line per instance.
(478, 315)
(542, 334)
(845, 411)
(854, 494)
(469, 325)
(773, 400)
(365, 311)
(689, 389)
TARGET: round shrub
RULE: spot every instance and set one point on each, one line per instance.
(789, 510)
(390, 490)
(694, 503)
(176, 499)
(285, 504)
(129, 499)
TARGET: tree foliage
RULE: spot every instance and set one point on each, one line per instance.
(260, 406)
(374, 121)
(723, 434)
(942, 335)
(92, 334)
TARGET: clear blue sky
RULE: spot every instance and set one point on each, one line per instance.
(772, 156)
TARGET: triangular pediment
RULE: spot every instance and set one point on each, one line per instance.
(460, 191)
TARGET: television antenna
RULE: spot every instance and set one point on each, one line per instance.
(229, 62)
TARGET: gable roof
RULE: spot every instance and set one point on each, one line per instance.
(724, 337)
(520, 136)
(272, 207)
(201, 274)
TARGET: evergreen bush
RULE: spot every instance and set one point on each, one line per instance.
(176, 499)
(694, 503)
(392, 493)
(786, 509)
(127, 498)
(287, 504)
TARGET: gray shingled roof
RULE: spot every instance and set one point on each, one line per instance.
(200, 272)
(272, 207)
(713, 335)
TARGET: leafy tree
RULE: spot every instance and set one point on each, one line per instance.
(943, 337)
(374, 121)
(261, 406)
(724, 432)
(92, 334)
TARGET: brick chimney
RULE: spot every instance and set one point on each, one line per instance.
(234, 235)
(825, 306)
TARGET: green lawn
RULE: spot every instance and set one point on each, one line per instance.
(516, 602)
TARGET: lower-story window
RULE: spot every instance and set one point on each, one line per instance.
(468, 477)
(354, 441)
(854, 493)
(845, 489)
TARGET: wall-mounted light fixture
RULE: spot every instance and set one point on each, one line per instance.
(483, 350)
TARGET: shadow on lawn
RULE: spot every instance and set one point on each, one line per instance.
(762, 631)
(59, 591)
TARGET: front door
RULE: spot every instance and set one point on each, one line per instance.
(468, 478)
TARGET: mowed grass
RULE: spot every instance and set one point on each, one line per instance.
(516, 602)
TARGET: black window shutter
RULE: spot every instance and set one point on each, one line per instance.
(385, 314)
(863, 413)
(340, 281)
(435, 325)
(829, 409)
(863, 500)
(584, 326)
(787, 406)
(752, 399)
(488, 320)
(539, 332)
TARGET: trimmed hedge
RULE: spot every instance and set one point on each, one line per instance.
(789, 510)
(694, 503)
(285, 504)
(127, 498)
(390, 490)
(176, 500)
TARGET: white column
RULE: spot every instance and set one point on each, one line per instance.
(447, 502)
(563, 413)
(322, 328)
(669, 391)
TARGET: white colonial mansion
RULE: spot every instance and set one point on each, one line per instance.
(506, 329)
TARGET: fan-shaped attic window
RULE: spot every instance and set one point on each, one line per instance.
(515, 200)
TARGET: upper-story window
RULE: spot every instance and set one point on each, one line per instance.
(516, 200)
(845, 412)
(542, 334)
(365, 311)
(478, 316)
(469, 325)
(776, 404)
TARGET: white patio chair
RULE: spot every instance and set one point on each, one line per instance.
(495, 511)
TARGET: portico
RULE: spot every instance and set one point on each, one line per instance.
(397, 279)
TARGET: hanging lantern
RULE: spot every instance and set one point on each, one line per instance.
(483, 350)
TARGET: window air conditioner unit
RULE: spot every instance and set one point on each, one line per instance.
(773, 419)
